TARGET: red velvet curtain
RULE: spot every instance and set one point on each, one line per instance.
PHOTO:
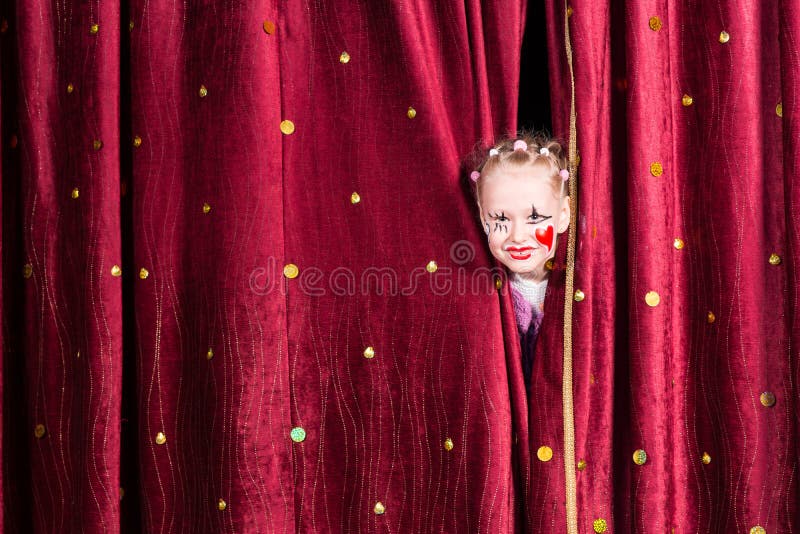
(244, 289)
(228, 234)
(685, 342)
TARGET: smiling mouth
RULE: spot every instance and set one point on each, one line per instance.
(520, 253)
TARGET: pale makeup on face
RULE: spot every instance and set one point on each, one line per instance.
(521, 215)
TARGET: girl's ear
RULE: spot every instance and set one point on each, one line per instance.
(563, 219)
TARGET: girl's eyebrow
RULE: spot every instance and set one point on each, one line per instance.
(535, 213)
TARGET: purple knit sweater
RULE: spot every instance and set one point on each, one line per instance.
(529, 320)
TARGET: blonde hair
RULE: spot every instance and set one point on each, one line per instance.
(553, 159)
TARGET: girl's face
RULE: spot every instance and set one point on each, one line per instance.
(521, 216)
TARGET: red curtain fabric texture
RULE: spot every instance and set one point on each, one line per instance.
(244, 289)
(234, 234)
(686, 338)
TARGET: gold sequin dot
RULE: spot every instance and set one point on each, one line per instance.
(206, 207)
(221, 505)
(498, 282)
(287, 127)
(549, 264)
(143, 273)
(27, 270)
(97, 144)
(706, 458)
(70, 88)
(652, 298)
(724, 37)
(344, 57)
(599, 525)
(639, 457)
(355, 198)
(687, 101)
(94, 28)
(581, 465)
(39, 431)
(116, 270)
(203, 92)
(579, 295)
(774, 259)
(121, 493)
(411, 112)
(209, 353)
(290, 270)
(779, 109)
(710, 317)
(161, 438)
(130, 26)
(379, 508)
(767, 399)
(448, 444)
(544, 453)
(369, 353)
(137, 141)
(75, 193)
(569, 11)
(269, 27)
(656, 169)
(298, 434)
(678, 243)
(655, 23)
(431, 267)
(14, 141)
(758, 529)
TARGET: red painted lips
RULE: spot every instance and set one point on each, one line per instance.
(519, 253)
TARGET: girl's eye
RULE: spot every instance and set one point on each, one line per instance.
(536, 218)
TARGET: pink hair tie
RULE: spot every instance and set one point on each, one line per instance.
(519, 144)
(474, 176)
(564, 174)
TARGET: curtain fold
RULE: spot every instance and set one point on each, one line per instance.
(685, 343)
(244, 287)
(61, 256)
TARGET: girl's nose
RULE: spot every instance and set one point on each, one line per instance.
(519, 233)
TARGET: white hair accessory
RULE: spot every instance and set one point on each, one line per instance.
(544, 151)
(493, 152)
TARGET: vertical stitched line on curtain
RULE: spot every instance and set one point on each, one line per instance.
(282, 103)
(673, 165)
(567, 400)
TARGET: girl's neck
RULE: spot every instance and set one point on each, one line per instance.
(531, 288)
(532, 278)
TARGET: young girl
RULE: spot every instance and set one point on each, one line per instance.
(521, 193)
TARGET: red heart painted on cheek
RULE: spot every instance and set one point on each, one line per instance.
(545, 236)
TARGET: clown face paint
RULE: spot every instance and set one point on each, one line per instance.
(545, 236)
(523, 215)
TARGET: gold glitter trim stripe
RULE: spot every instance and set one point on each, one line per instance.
(568, 405)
